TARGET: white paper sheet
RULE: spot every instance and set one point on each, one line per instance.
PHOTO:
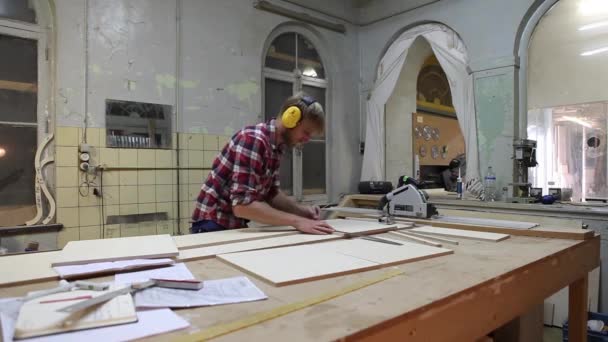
(99, 267)
(9, 312)
(175, 272)
(151, 322)
(214, 292)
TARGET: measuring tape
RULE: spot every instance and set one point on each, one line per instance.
(223, 329)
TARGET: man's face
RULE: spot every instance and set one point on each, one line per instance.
(300, 134)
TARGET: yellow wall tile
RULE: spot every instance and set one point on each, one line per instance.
(66, 156)
(66, 197)
(222, 140)
(165, 177)
(67, 176)
(146, 193)
(183, 158)
(66, 136)
(127, 157)
(102, 137)
(66, 235)
(89, 216)
(68, 217)
(146, 177)
(164, 193)
(146, 158)
(90, 233)
(196, 142)
(92, 135)
(211, 142)
(164, 158)
(184, 226)
(147, 228)
(184, 139)
(112, 231)
(110, 178)
(186, 209)
(174, 141)
(89, 200)
(193, 191)
(146, 208)
(127, 177)
(128, 209)
(128, 194)
(111, 195)
(131, 229)
(110, 210)
(184, 193)
(208, 158)
(167, 207)
(196, 176)
(196, 158)
(164, 227)
(108, 156)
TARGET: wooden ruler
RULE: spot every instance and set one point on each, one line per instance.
(223, 329)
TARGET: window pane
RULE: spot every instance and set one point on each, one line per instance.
(309, 61)
(282, 53)
(132, 124)
(21, 10)
(17, 174)
(18, 79)
(319, 95)
(275, 94)
(313, 165)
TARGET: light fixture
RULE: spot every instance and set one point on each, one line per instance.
(593, 26)
(577, 120)
(2, 152)
(309, 71)
(594, 52)
(593, 7)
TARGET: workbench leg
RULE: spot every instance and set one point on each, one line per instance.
(577, 310)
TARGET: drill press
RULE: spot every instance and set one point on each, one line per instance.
(524, 157)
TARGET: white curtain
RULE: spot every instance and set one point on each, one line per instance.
(452, 56)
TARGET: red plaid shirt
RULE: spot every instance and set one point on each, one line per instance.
(246, 170)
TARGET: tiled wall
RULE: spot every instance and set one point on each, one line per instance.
(127, 192)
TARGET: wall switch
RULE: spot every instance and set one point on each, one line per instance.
(84, 148)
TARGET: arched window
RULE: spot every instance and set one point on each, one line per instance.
(567, 98)
(292, 64)
(22, 100)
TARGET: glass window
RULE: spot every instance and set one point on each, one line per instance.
(282, 53)
(309, 61)
(21, 10)
(567, 100)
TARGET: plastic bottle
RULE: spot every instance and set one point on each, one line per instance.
(459, 185)
(490, 185)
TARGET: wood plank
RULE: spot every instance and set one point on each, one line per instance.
(88, 251)
(230, 236)
(436, 238)
(290, 240)
(416, 239)
(296, 264)
(358, 227)
(19, 86)
(465, 234)
(27, 268)
(577, 309)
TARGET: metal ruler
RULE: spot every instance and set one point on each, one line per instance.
(223, 329)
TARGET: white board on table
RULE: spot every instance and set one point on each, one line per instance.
(359, 226)
(295, 264)
(28, 267)
(229, 236)
(465, 234)
(136, 247)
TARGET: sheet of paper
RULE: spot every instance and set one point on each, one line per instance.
(99, 267)
(150, 323)
(214, 292)
(175, 272)
(9, 312)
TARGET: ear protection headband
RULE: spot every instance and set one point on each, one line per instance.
(293, 114)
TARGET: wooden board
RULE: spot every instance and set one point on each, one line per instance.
(296, 264)
(29, 267)
(88, 251)
(229, 236)
(357, 227)
(465, 234)
(281, 241)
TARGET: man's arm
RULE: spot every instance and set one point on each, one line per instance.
(288, 204)
(262, 212)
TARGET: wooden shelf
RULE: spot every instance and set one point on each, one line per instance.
(19, 86)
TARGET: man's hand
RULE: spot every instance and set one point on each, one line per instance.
(312, 212)
(313, 227)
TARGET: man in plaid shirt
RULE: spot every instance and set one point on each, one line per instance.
(244, 183)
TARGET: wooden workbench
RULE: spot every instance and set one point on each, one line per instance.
(458, 297)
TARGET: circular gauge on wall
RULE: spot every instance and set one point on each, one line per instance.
(434, 152)
(427, 132)
(417, 131)
(422, 151)
(435, 133)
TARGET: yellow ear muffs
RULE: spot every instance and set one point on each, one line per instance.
(291, 116)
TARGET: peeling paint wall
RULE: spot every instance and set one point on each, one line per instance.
(488, 28)
(205, 60)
